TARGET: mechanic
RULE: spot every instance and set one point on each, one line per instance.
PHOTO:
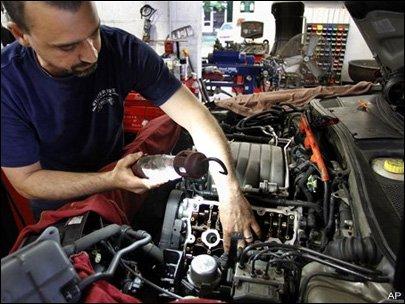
(62, 91)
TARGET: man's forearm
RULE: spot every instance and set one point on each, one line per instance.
(210, 140)
(58, 185)
(207, 135)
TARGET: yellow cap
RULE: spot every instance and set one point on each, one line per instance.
(394, 166)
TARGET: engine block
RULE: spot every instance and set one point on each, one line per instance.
(202, 229)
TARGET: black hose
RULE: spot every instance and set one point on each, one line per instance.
(355, 250)
(331, 212)
(114, 263)
(325, 201)
(124, 263)
(327, 229)
(149, 249)
(283, 202)
(92, 239)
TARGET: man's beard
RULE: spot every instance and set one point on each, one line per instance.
(86, 72)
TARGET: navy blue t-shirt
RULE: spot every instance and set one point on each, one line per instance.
(71, 123)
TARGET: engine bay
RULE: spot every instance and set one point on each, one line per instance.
(312, 246)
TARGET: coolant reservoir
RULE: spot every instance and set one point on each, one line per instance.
(392, 168)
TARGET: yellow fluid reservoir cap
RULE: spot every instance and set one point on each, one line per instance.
(394, 166)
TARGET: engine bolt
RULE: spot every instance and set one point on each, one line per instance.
(292, 217)
(192, 219)
(280, 215)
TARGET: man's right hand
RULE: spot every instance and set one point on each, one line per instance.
(123, 177)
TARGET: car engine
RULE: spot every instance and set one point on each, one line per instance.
(311, 247)
(299, 198)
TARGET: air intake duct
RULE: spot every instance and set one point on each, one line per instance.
(355, 250)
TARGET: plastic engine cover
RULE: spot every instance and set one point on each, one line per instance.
(256, 163)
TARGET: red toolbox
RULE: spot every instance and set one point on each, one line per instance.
(138, 111)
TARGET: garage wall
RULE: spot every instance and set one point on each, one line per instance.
(183, 13)
(175, 14)
(169, 16)
(315, 12)
(261, 13)
(122, 14)
(335, 12)
(126, 15)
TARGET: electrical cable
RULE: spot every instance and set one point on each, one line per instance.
(311, 254)
(372, 276)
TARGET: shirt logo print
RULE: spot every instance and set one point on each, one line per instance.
(104, 97)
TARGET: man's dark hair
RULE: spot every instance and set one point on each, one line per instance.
(15, 10)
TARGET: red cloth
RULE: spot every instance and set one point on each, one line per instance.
(98, 203)
(158, 136)
(100, 291)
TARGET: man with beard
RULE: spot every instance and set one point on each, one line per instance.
(62, 89)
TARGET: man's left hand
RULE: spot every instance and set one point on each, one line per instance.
(237, 216)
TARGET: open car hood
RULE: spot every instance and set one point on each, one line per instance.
(382, 25)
